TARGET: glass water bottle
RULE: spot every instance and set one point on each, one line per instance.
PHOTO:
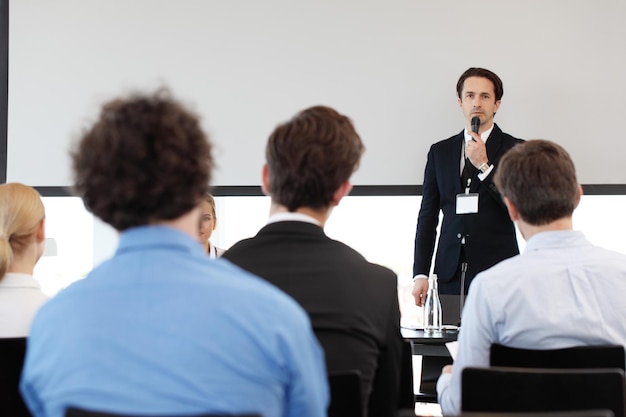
(432, 307)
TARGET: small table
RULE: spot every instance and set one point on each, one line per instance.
(432, 345)
(427, 343)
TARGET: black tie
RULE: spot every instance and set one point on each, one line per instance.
(468, 172)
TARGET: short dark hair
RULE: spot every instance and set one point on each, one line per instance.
(146, 159)
(310, 156)
(498, 88)
(539, 178)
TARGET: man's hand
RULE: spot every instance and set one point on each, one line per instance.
(420, 289)
(476, 151)
(447, 369)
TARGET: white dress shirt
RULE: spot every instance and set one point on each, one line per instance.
(20, 299)
(292, 216)
(214, 251)
(562, 291)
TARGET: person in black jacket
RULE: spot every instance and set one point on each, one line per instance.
(352, 303)
(476, 232)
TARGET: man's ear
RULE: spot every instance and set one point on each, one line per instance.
(496, 107)
(343, 190)
(513, 213)
(579, 196)
(265, 180)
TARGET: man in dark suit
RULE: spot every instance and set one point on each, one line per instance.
(353, 304)
(476, 232)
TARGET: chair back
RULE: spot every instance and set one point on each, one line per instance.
(12, 351)
(406, 397)
(539, 389)
(346, 394)
(79, 412)
(599, 356)
(579, 413)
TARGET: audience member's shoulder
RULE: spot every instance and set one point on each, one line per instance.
(244, 281)
(345, 252)
(610, 255)
(500, 273)
(238, 247)
(352, 256)
(383, 271)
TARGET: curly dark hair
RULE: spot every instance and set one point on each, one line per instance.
(146, 159)
(498, 88)
(310, 156)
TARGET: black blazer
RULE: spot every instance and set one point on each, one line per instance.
(352, 304)
(489, 234)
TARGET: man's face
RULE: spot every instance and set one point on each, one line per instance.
(478, 98)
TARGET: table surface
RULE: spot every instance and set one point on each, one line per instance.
(432, 348)
(427, 338)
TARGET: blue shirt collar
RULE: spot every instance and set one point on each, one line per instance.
(555, 239)
(152, 236)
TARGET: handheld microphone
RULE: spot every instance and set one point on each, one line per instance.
(475, 124)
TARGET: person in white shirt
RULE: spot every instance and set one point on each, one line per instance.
(22, 236)
(208, 222)
(561, 292)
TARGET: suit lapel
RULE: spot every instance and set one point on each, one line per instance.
(494, 143)
(455, 160)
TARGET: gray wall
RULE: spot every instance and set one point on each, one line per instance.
(391, 65)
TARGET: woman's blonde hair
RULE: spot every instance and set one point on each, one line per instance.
(21, 212)
(209, 199)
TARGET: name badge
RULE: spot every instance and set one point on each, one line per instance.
(467, 203)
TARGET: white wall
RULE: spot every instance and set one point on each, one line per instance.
(390, 65)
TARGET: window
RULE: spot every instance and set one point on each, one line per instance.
(382, 228)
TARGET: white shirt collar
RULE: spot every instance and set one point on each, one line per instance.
(298, 217)
(14, 279)
(212, 251)
(484, 136)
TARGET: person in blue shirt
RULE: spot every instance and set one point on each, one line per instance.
(161, 329)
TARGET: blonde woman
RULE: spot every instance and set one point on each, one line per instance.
(22, 238)
(208, 221)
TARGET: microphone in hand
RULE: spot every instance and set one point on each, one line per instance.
(475, 124)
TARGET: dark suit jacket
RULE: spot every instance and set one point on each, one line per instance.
(352, 304)
(489, 234)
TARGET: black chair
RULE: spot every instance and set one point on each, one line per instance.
(579, 413)
(505, 389)
(431, 370)
(406, 397)
(78, 412)
(346, 394)
(599, 356)
(12, 351)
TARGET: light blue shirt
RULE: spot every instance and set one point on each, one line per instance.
(562, 291)
(162, 329)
